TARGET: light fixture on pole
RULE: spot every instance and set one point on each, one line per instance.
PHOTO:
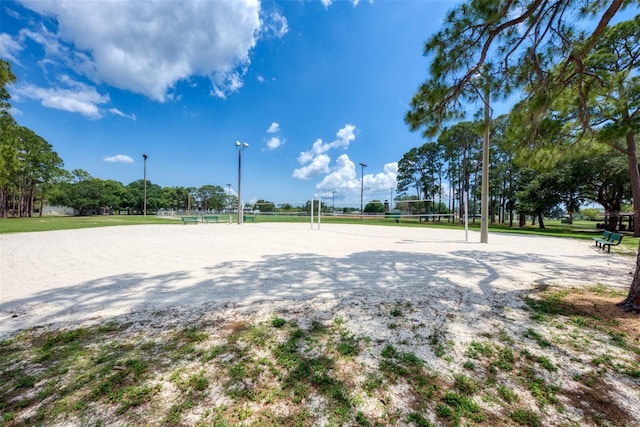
(144, 203)
(240, 146)
(361, 187)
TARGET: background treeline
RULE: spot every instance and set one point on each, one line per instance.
(444, 171)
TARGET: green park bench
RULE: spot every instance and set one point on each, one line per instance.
(613, 239)
(189, 219)
(246, 218)
(394, 214)
(605, 237)
(210, 218)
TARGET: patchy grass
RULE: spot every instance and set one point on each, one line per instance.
(48, 223)
(560, 366)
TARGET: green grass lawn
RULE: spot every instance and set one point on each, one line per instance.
(49, 223)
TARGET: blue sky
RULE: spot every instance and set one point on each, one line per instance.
(314, 88)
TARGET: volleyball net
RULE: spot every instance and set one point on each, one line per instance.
(418, 210)
(409, 210)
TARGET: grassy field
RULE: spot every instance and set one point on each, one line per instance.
(49, 223)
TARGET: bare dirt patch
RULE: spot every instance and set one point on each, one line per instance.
(603, 307)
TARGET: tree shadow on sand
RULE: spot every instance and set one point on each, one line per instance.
(471, 282)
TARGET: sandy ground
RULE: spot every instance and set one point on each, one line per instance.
(94, 275)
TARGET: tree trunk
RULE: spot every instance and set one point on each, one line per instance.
(30, 201)
(41, 201)
(612, 221)
(4, 206)
(632, 301)
(635, 181)
(541, 221)
(522, 220)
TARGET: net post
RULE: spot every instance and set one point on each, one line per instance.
(466, 216)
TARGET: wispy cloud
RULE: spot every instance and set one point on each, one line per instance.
(117, 112)
(274, 128)
(274, 24)
(71, 96)
(9, 48)
(327, 3)
(118, 158)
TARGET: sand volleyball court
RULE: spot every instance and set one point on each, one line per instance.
(92, 275)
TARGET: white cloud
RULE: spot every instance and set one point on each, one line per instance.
(274, 128)
(318, 166)
(342, 177)
(384, 180)
(319, 161)
(275, 142)
(327, 3)
(260, 78)
(147, 47)
(9, 48)
(12, 13)
(224, 83)
(117, 112)
(76, 97)
(345, 181)
(15, 112)
(274, 24)
(118, 158)
(318, 148)
(345, 136)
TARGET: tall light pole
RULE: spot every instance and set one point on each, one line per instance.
(144, 203)
(227, 204)
(333, 202)
(484, 197)
(240, 146)
(391, 199)
(361, 187)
